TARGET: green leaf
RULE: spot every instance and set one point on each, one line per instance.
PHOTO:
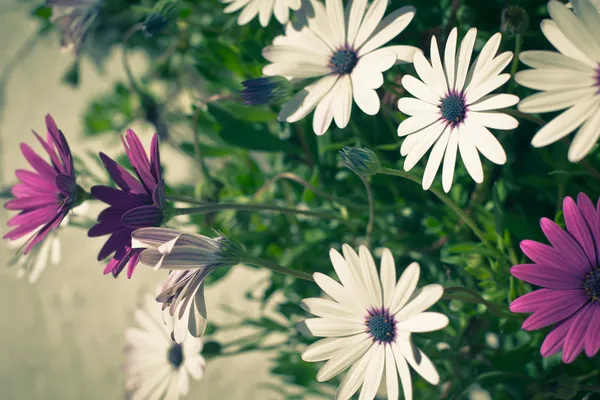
(250, 114)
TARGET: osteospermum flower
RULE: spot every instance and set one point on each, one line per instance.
(569, 276)
(46, 195)
(74, 18)
(569, 79)
(135, 204)
(155, 366)
(453, 109)
(263, 8)
(191, 257)
(342, 50)
(368, 324)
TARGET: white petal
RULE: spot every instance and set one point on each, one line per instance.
(296, 69)
(428, 138)
(427, 74)
(342, 101)
(425, 368)
(424, 322)
(552, 79)
(324, 113)
(355, 376)
(335, 15)
(286, 54)
(475, 93)
(196, 366)
(487, 144)
(469, 155)
(388, 276)
(404, 54)
(557, 38)
(490, 70)
(55, 251)
(266, 10)
(487, 54)
(281, 12)
(391, 374)
(370, 22)
(371, 278)
(423, 299)
(366, 99)
(405, 287)
(441, 86)
(435, 159)
(329, 309)
(588, 13)
(337, 292)
(373, 374)
(403, 371)
(565, 123)
(357, 11)
(450, 160)
(552, 60)
(464, 58)
(450, 57)
(388, 28)
(354, 264)
(493, 120)
(409, 143)
(306, 100)
(494, 102)
(554, 100)
(326, 348)
(320, 25)
(344, 358)
(248, 13)
(368, 69)
(573, 29)
(585, 138)
(419, 89)
(412, 106)
(416, 123)
(329, 327)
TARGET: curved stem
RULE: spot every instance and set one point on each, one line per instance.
(128, 34)
(187, 200)
(515, 62)
(446, 200)
(371, 210)
(259, 262)
(522, 115)
(306, 184)
(204, 173)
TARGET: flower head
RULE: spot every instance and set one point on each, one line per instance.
(568, 273)
(263, 8)
(136, 203)
(515, 20)
(266, 90)
(46, 195)
(453, 109)
(191, 257)
(362, 161)
(343, 54)
(568, 79)
(369, 322)
(74, 18)
(167, 376)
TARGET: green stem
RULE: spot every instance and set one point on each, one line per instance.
(187, 200)
(522, 115)
(371, 210)
(453, 293)
(204, 173)
(260, 262)
(446, 200)
(130, 32)
(515, 62)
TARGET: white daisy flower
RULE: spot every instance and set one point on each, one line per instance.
(453, 109)
(155, 366)
(569, 79)
(369, 323)
(263, 8)
(342, 49)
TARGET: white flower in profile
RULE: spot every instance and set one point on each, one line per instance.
(454, 108)
(155, 366)
(368, 324)
(263, 8)
(341, 49)
(191, 258)
(568, 79)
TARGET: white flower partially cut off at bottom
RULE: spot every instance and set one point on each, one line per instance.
(453, 108)
(368, 325)
(263, 8)
(155, 366)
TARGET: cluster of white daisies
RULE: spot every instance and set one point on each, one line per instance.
(368, 319)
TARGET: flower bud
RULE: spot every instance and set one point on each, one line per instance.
(515, 20)
(158, 20)
(266, 90)
(362, 161)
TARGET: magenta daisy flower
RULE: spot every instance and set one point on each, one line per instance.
(569, 276)
(45, 195)
(136, 203)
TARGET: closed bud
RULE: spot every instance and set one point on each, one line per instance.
(159, 19)
(515, 20)
(362, 161)
(266, 90)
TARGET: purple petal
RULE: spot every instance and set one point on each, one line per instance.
(121, 176)
(133, 262)
(141, 217)
(41, 166)
(36, 217)
(139, 159)
(555, 311)
(58, 140)
(592, 218)
(32, 179)
(155, 159)
(537, 299)
(29, 203)
(555, 339)
(575, 339)
(579, 229)
(115, 242)
(24, 190)
(592, 337)
(567, 245)
(541, 253)
(53, 156)
(119, 198)
(547, 276)
(66, 184)
(106, 226)
(158, 197)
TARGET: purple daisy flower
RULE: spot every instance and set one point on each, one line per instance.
(136, 203)
(569, 276)
(45, 195)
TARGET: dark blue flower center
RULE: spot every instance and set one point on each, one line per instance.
(343, 61)
(454, 109)
(175, 355)
(591, 285)
(381, 326)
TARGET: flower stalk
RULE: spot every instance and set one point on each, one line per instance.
(260, 262)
